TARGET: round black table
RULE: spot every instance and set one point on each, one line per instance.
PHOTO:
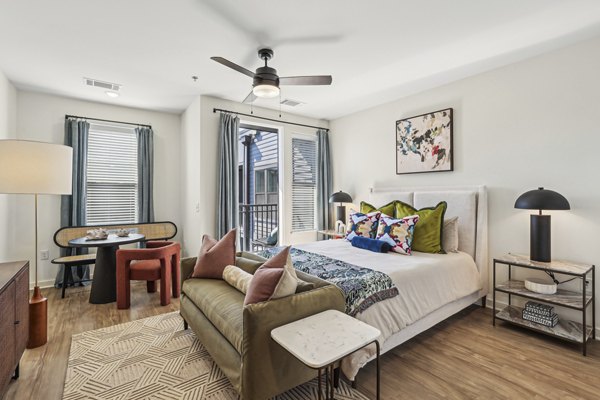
(104, 284)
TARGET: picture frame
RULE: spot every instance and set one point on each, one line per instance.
(424, 143)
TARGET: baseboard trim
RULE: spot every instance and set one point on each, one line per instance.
(48, 283)
(42, 284)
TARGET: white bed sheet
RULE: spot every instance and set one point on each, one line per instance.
(425, 282)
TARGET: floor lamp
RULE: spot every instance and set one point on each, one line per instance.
(28, 167)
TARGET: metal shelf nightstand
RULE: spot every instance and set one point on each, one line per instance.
(567, 330)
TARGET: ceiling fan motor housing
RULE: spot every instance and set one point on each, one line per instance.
(266, 76)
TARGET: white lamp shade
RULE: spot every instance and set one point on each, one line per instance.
(30, 167)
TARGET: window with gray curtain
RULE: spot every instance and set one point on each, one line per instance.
(112, 175)
(145, 164)
(119, 173)
(72, 207)
(324, 180)
(228, 204)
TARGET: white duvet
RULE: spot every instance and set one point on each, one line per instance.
(426, 282)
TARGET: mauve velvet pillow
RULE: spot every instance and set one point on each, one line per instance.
(274, 279)
(215, 256)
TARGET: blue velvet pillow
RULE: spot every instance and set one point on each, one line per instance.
(378, 246)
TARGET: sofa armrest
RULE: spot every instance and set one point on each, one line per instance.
(187, 267)
(265, 362)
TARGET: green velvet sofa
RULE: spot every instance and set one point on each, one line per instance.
(238, 337)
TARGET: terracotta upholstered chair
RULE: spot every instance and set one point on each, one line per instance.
(158, 261)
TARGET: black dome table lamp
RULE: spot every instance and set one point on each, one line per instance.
(340, 197)
(541, 199)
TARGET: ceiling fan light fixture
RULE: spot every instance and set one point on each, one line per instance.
(265, 91)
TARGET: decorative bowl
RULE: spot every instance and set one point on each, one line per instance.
(122, 232)
(96, 234)
(542, 286)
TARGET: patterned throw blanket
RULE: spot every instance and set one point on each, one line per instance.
(362, 287)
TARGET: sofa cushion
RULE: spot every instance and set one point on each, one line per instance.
(221, 304)
(276, 278)
(304, 286)
(215, 256)
(250, 265)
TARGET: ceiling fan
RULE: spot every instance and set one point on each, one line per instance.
(266, 81)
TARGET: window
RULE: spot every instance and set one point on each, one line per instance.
(304, 184)
(272, 181)
(112, 175)
(266, 186)
(259, 181)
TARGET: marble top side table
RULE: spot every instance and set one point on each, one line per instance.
(321, 340)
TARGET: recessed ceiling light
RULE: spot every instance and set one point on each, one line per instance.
(112, 94)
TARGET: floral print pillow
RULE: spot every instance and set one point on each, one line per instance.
(364, 225)
(397, 232)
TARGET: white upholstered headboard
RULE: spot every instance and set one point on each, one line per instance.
(468, 203)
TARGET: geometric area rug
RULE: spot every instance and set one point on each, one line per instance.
(154, 358)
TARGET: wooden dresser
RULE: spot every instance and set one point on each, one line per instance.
(14, 318)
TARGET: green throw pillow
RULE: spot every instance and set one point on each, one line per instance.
(428, 231)
(387, 209)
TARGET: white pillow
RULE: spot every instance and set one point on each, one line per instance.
(450, 235)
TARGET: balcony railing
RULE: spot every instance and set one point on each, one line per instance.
(257, 221)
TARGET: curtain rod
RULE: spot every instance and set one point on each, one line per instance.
(268, 119)
(106, 120)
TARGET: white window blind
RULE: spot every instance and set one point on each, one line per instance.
(304, 184)
(111, 175)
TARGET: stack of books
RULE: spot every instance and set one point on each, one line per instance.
(542, 314)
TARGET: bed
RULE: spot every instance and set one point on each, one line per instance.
(431, 287)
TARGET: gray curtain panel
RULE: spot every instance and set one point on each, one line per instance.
(72, 207)
(227, 212)
(145, 141)
(324, 180)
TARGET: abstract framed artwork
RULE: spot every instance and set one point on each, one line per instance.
(424, 143)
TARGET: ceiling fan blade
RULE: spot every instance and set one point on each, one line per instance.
(234, 66)
(250, 98)
(306, 80)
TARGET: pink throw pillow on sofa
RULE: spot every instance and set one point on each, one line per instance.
(274, 279)
(215, 256)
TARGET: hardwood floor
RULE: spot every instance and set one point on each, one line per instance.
(464, 357)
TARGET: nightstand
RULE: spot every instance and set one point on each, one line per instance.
(332, 234)
(571, 331)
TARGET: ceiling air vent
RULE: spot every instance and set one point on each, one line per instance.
(291, 103)
(102, 84)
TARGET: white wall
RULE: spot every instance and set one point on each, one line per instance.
(41, 117)
(8, 130)
(526, 125)
(207, 171)
(191, 181)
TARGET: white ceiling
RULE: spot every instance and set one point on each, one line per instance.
(376, 51)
